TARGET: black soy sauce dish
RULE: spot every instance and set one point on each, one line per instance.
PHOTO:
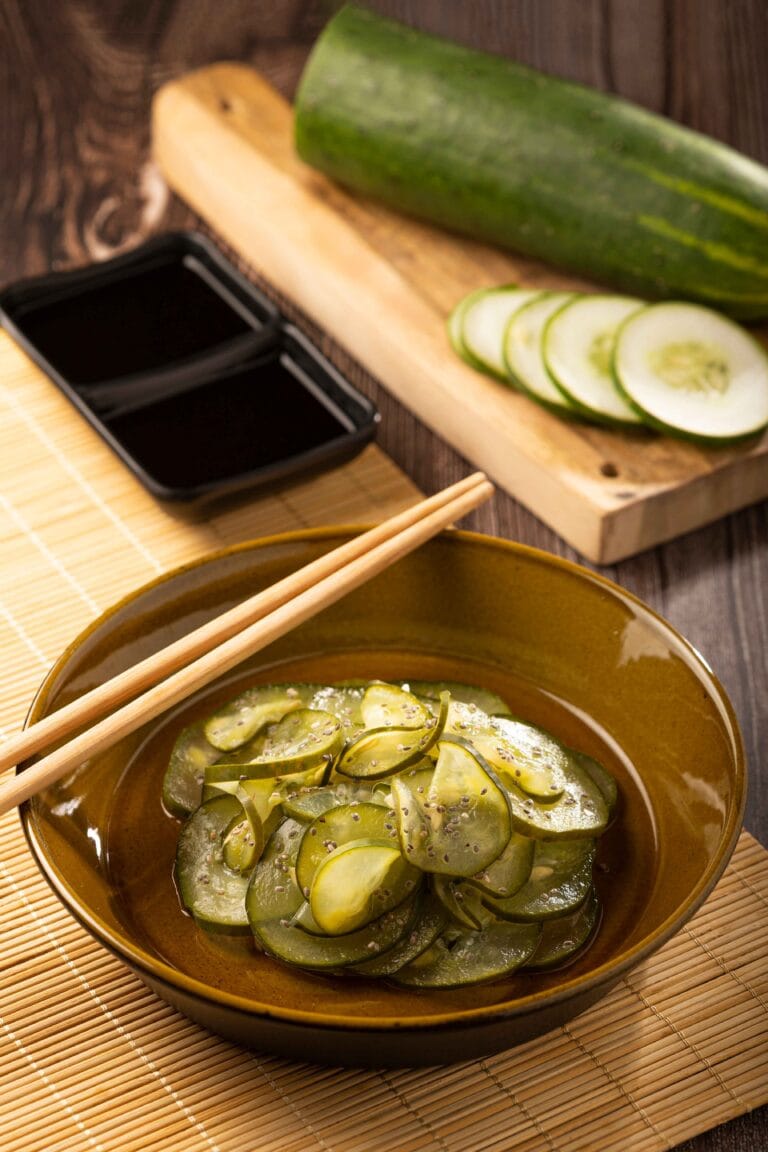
(187, 371)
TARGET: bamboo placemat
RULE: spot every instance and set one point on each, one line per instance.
(90, 1059)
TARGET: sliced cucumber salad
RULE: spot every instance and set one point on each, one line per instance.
(678, 368)
(414, 832)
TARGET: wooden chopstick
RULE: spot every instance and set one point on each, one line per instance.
(94, 704)
(163, 680)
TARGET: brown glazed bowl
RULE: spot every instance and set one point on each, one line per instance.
(568, 649)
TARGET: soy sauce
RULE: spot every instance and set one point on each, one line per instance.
(188, 370)
(144, 319)
(247, 420)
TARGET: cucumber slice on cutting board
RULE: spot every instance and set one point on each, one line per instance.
(578, 343)
(454, 328)
(483, 323)
(692, 372)
(522, 350)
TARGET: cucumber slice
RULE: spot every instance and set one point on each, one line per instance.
(562, 938)
(338, 826)
(560, 881)
(284, 776)
(343, 701)
(454, 325)
(578, 343)
(183, 780)
(523, 354)
(307, 804)
(262, 796)
(483, 322)
(243, 844)
(381, 751)
(244, 838)
(579, 812)
(235, 723)
(536, 763)
(299, 742)
(209, 890)
(460, 822)
(289, 943)
(260, 779)
(429, 922)
(602, 778)
(528, 756)
(479, 698)
(462, 902)
(229, 772)
(389, 706)
(459, 959)
(691, 372)
(509, 871)
(272, 893)
(273, 898)
(357, 883)
(563, 798)
(304, 919)
(219, 788)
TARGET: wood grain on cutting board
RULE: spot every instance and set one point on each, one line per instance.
(382, 285)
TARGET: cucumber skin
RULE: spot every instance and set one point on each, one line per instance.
(587, 181)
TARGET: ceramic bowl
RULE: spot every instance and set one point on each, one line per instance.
(568, 649)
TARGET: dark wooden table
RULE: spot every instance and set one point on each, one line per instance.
(77, 184)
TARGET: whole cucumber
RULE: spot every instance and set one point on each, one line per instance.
(488, 148)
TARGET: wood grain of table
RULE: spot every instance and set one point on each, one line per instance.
(77, 184)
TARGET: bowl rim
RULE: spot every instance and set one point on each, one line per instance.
(155, 969)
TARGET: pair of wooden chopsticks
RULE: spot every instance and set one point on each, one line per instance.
(121, 705)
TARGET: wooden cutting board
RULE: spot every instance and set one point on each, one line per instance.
(382, 286)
